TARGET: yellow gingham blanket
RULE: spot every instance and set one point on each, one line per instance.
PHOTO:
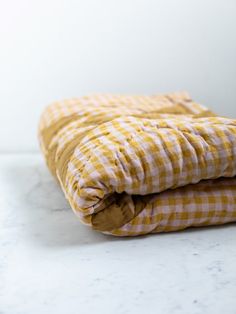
(132, 165)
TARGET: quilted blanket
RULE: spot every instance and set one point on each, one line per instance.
(132, 165)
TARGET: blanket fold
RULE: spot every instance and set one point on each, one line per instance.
(132, 165)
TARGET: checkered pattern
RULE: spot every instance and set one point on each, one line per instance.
(132, 165)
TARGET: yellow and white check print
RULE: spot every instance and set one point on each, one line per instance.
(132, 165)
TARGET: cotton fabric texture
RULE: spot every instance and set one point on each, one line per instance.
(132, 165)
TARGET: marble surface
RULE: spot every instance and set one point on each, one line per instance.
(51, 263)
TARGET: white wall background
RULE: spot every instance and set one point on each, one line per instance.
(55, 49)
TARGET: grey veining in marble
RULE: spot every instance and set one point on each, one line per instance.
(51, 263)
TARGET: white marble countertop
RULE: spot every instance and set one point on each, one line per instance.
(51, 263)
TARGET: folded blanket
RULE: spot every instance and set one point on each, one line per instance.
(132, 165)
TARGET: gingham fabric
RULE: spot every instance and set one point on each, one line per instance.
(132, 165)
